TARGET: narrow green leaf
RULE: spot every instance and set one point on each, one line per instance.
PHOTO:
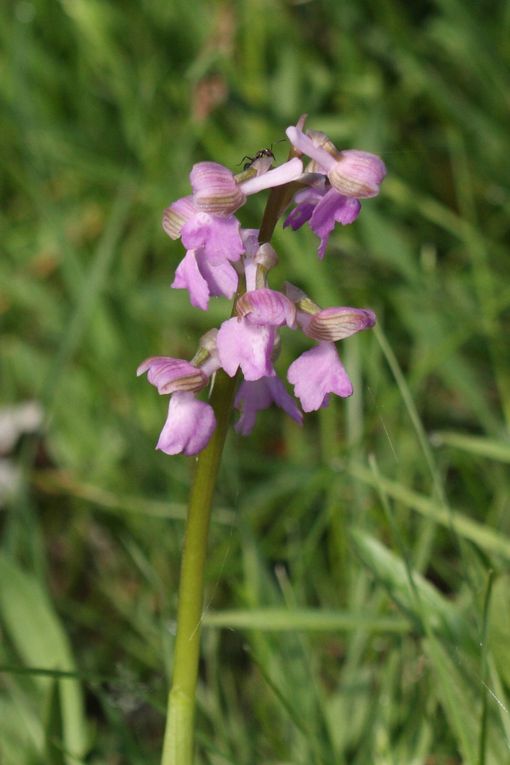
(307, 620)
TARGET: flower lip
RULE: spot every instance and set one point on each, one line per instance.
(245, 345)
(218, 236)
(188, 427)
(317, 373)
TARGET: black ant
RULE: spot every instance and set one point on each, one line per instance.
(261, 153)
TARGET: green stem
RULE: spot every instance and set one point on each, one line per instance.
(178, 743)
(179, 731)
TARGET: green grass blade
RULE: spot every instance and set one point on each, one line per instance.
(38, 637)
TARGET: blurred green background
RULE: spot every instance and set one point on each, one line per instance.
(378, 534)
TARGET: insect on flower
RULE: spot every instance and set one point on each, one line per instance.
(259, 155)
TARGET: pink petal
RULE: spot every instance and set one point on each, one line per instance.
(188, 427)
(248, 346)
(251, 398)
(315, 374)
(285, 173)
(283, 399)
(299, 215)
(221, 279)
(188, 277)
(219, 237)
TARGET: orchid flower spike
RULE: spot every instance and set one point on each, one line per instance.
(222, 258)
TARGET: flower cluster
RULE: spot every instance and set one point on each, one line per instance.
(221, 256)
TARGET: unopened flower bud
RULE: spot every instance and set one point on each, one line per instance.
(332, 324)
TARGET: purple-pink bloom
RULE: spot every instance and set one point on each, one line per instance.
(317, 373)
(188, 427)
(256, 395)
(245, 345)
(217, 191)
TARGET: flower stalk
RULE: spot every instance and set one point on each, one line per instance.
(179, 732)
